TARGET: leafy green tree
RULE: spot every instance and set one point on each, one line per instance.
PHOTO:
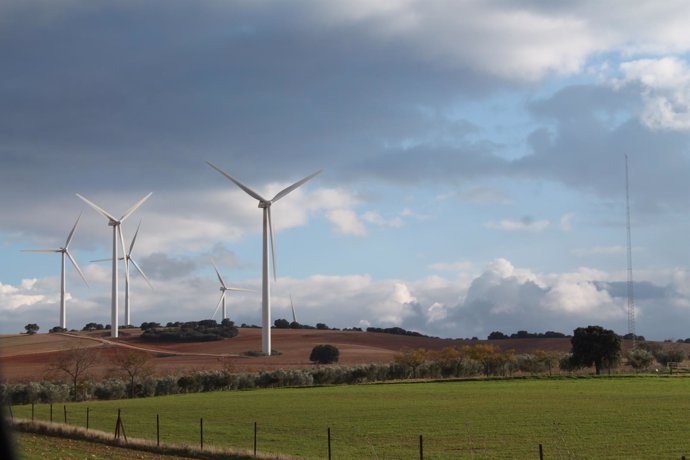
(324, 354)
(31, 328)
(595, 346)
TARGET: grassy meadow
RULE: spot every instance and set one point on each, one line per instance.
(621, 417)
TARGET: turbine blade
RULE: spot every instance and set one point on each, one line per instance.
(76, 265)
(293, 186)
(71, 234)
(292, 306)
(135, 206)
(249, 191)
(141, 272)
(100, 210)
(124, 248)
(222, 296)
(220, 278)
(273, 244)
(41, 250)
(101, 260)
(131, 246)
(238, 289)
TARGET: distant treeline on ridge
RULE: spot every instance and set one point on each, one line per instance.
(497, 335)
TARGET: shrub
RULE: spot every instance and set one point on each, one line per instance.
(324, 354)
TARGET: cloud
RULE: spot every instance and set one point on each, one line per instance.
(665, 87)
(525, 224)
(375, 218)
(499, 297)
(346, 222)
(486, 195)
(567, 221)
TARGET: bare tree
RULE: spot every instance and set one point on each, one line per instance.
(76, 362)
(134, 364)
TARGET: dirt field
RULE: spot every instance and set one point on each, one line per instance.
(26, 358)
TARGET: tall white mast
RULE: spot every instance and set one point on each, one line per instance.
(631, 293)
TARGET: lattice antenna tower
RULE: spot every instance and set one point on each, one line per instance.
(631, 293)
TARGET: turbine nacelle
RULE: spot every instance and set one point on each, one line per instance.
(264, 204)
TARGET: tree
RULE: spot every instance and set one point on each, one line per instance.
(76, 362)
(639, 358)
(496, 335)
(31, 328)
(281, 323)
(134, 364)
(324, 354)
(669, 355)
(412, 359)
(596, 346)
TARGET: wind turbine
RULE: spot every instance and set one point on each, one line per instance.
(268, 229)
(223, 288)
(128, 258)
(292, 306)
(115, 223)
(64, 251)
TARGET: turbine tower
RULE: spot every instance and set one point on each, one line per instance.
(117, 231)
(267, 230)
(631, 294)
(128, 258)
(223, 288)
(64, 251)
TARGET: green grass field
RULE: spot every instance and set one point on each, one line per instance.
(634, 417)
(35, 447)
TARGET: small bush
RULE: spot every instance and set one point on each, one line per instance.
(324, 354)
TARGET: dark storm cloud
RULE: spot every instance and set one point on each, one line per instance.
(136, 89)
(112, 95)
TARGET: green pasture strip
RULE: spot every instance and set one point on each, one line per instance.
(32, 446)
(634, 417)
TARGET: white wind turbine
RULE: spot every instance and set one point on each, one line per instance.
(268, 229)
(115, 223)
(128, 258)
(224, 288)
(64, 251)
(292, 306)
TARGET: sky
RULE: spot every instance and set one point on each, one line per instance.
(473, 157)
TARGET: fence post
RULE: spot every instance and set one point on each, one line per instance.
(541, 452)
(421, 447)
(329, 443)
(51, 412)
(32, 412)
(64, 408)
(254, 439)
(201, 430)
(158, 430)
(9, 407)
(87, 417)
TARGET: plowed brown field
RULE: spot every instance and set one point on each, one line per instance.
(27, 358)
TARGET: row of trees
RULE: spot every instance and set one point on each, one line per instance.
(498, 335)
